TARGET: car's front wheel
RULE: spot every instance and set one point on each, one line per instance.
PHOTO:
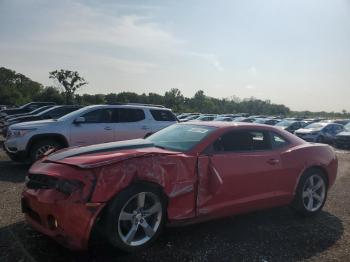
(311, 193)
(136, 217)
(39, 148)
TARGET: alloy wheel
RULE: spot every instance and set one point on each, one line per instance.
(140, 219)
(314, 193)
(42, 150)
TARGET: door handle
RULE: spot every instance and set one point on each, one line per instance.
(144, 127)
(273, 161)
(108, 128)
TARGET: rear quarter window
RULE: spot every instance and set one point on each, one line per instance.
(278, 141)
(162, 115)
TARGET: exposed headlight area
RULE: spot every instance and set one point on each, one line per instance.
(65, 186)
(18, 132)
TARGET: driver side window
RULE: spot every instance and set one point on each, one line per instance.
(246, 140)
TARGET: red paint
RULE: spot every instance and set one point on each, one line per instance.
(198, 186)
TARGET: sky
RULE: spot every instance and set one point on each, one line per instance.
(292, 52)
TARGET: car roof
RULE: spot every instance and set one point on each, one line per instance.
(129, 106)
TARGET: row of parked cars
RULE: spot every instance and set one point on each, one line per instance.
(37, 127)
(319, 130)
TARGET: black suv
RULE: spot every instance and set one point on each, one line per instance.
(24, 109)
(50, 113)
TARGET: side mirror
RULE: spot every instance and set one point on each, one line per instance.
(79, 120)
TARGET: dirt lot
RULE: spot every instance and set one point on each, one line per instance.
(271, 235)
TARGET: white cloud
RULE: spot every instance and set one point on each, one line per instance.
(81, 24)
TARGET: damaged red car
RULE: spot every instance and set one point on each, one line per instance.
(185, 173)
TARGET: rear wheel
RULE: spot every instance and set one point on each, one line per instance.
(311, 193)
(136, 217)
(39, 148)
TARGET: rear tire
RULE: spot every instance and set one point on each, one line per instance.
(136, 217)
(40, 147)
(311, 193)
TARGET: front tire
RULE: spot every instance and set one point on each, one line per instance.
(311, 193)
(136, 217)
(39, 148)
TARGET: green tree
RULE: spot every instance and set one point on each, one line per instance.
(50, 94)
(71, 81)
(15, 88)
(174, 99)
(111, 98)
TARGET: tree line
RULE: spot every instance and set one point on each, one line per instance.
(17, 89)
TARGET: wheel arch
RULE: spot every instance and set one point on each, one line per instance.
(312, 167)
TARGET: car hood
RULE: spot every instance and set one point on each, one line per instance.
(308, 130)
(105, 154)
(344, 133)
(33, 124)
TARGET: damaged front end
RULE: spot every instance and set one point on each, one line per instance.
(56, 203)
(65, 196)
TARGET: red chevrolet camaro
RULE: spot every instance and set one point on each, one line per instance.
(185, 173)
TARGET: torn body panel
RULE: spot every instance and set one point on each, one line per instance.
(176, 174)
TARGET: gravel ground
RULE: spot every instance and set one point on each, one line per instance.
(270, 235)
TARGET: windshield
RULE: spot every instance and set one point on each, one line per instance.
(38, 110)
(314, 126)
(284, 123)
(179, 137)
(47, 110)
(76, 112)
(347, 127)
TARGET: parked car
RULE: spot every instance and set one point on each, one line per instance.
(24, 109)
(185, 173)
(185, 115)
(3, 107)
(86, 126)
(291, 125)
(50, 113)
(190, 117)
(34, 112)
(224, 118)
(337, 121)
(342, 139)
(204, 118)
(320, 132)
(244, 119)
(267, 121)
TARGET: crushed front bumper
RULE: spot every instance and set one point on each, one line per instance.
(57, 216)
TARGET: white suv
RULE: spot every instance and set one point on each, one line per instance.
(86, 126)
